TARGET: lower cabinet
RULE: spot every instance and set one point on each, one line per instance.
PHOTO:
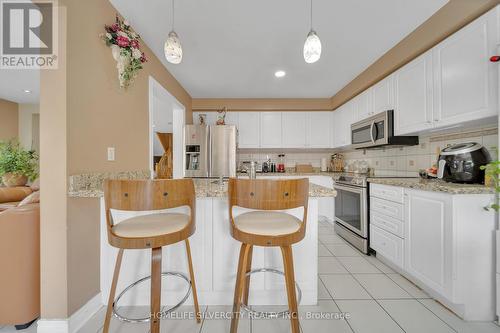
(444, 243)
(428, 239)
(387, 244)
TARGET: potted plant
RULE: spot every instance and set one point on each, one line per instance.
(17, 164)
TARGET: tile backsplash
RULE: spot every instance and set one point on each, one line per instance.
(407, 161)
(291, 158)
(404, 161)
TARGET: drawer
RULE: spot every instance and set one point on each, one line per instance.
(392, 193)
(387, 223)
(387, 245)
(389, 208)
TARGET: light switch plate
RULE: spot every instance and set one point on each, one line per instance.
(111, 153)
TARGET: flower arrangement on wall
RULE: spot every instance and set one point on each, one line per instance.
(125, 47)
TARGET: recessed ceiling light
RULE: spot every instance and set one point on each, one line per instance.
(279, 73)
(27, 91)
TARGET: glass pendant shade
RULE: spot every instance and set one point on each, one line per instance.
(173, 48)
(312, 48)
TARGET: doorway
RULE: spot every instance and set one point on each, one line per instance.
(166, 115)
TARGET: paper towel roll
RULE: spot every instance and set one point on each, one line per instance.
(324, 164)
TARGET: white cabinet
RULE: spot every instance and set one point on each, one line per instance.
(232, 118)
(270, 130)
(464, 78)
(342, 119)
(428, 239)
(294, 127)
(386, 223)
(413, 90)
(444, 244)
(383, 95)
(363, 105)
(249, 130)
(387, 244)
(453, 83)
(319, 130)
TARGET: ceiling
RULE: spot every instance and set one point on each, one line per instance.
(13, 82)
(233, 47)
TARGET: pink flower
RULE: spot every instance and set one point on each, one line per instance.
(115, 27)
(134, 43)
(122, 41)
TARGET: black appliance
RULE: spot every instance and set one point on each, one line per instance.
(461, 163)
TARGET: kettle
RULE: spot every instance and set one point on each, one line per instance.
(461, 163)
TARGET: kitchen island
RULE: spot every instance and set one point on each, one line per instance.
(215, 255)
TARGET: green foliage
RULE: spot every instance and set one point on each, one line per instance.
(492, 170)
(16, 159)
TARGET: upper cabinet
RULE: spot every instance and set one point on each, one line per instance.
(464, 78)
(294, 129)
(342, 119)
(270, 130)
(453, 83)
(248, 129)
(306, 129)
(363, 105)
(319, 130)
(413, 89)
(383, 95)
(232, 118)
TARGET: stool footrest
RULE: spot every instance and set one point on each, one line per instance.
(269, 314)
(162, 313)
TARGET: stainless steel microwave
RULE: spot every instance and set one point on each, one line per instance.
(378, 131)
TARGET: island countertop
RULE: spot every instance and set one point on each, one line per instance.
(204, 187)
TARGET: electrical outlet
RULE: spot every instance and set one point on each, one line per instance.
(111, 153)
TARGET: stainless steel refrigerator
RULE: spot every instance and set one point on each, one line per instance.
(210, 151)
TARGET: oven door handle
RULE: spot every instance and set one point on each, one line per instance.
(348, 188)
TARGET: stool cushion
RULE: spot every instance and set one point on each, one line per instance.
(267, 223)
(151, 225)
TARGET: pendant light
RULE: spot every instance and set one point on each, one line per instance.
(173, 48)
(312, 46)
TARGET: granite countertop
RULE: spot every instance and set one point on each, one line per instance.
(211, 188)
(434, 185)
(90, 185)
(290, 173)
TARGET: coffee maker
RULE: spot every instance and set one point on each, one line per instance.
(461, 163)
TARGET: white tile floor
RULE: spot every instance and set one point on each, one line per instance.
(376, 298)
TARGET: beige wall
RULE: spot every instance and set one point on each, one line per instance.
(262, 104)
(8, 124)
(101, 115)
(26, 112)
(53, 184)
(86, 111)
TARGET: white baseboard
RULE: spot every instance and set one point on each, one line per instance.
(75, 322)
(82, 315)
(52, 326)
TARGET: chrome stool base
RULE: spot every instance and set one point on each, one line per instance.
(271, 314)
(162, 313)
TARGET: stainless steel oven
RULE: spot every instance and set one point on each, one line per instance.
(378, 131)
(351, 211)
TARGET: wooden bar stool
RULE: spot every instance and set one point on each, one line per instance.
(150, 231)
(265, 226)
